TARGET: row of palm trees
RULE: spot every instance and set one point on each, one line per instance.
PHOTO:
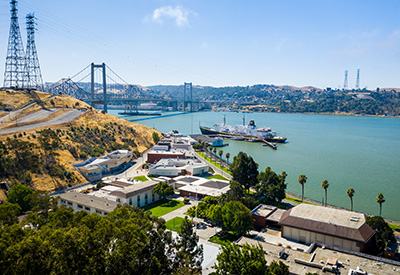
(220, 152)
(380, 199)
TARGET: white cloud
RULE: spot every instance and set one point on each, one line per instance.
(179, 14)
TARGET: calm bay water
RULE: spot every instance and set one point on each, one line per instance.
(350, 152)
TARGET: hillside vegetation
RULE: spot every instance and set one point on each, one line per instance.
(44, 157)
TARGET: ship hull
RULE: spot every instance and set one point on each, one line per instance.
(209, 131)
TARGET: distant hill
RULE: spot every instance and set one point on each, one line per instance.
(271, 98)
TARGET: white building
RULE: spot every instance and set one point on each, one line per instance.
(200, 187)
(84, 202)
(95, 169)
(138, 194)
(175, 167)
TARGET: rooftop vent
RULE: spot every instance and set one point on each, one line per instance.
(354, 219)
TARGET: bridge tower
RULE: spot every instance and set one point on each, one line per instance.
(345, 84)
(15, 73)
(34, 76)
(188, 87)
(103, 68)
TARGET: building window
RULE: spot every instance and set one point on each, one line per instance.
(152, 197)
(70, 203)
(87, 208)
(80, 206)
(145, 199)
(357, 244)
(62, 201)
(138, 198)
(98, 211)
(130, 201)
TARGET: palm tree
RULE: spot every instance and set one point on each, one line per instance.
(380, 199)
(227, 155)
(220, 152)
(302, 180)
(350, 192)
(325, 185)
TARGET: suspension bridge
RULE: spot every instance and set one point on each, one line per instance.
(99, 85)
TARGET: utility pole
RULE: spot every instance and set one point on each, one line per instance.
(34, 76)
(345, 84)
(15, 71)
(358, 79)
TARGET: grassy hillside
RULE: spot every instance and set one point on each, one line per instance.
(55, 150)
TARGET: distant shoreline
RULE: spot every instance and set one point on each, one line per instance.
(310, 113)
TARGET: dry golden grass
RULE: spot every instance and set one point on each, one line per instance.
(91, 118)
(3, 196)
(17, 99)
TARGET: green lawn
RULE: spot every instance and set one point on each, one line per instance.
(395, 227)
(174, 224)
(218, 177)
(162, 207)
(214, 163)
(141, 178)
(226, 239)
(296, 200)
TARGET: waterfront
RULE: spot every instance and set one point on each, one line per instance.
(348, 151)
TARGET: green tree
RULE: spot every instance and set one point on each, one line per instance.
(188, 252)
(271, 187)
(200, 209)
(278, 268)
(302, 180)
(227, 155)
(383, 235)
(220, 153)
(9, 213)
(350, 192)
(325, 185)
(156, 137)
(247, 260)
(163, 189)
(214, 213)
(236, 218)
(215, 151)
(380, 199)
(244, 170)
(19, 194)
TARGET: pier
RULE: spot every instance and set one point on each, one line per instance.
(250, 139)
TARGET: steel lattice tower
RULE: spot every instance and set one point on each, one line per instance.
(358, 79)
(345, 84)
(33, 75)
(15, 74)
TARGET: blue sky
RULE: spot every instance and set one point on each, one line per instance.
(217, 42)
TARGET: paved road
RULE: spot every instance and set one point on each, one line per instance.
(16, 112)
(41, 114)
(63, 118)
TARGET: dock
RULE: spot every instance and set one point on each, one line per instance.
(267, 143)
